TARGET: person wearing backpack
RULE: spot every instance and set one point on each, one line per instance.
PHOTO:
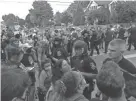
(45, 77)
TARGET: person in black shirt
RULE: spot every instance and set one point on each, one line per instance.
(93, 43)
(121, 32)
(108, 38)
(85, 34)
(116, 49)
(132, 37)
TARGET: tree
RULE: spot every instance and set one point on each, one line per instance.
(10, 19)
(126, 11)
(57, 18)
(21, 22)
(78, 16)
(29, 24)
(74, 6)
(41, 14)
(66, 18)
(100, 14)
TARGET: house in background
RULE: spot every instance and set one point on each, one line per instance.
(109, 6)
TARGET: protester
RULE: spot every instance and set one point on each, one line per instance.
(132, 37)
(121, 32)
(108, 38)
(44, 57)
(110, 82)
(93, 43)
(116, 49)
(14, 85)
(58, 70)
(44, 79)
(70, 87)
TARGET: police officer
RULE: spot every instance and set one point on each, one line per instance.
(58, 51)
(86, 65)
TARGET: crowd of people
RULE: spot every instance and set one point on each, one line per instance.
(57, 65)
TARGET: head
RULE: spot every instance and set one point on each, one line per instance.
(61, 67)
(74, 35)
(17, 36)
(57, 41)
(110, 80)
(14, 84)
(46, 64)
(15, 55)
(80, 47)
(71, 83)
(116, 49)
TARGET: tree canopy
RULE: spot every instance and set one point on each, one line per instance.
(78, 17)
(66, 18)
(41, 14)
(10, 19)
(126, 11)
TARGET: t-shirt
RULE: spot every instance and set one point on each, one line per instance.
(129, 74)
(129, 67)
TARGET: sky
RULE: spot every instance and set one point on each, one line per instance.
(21, 7)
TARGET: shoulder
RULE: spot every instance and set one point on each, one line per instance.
(127, 65)
(43, 73)
(89, 59)
(83, 99)
(126, 62)
(94, 99)
(80, 98)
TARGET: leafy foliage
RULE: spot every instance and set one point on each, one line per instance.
(74, 6)
(10, 19)
(101, 14)
(126, 11)
(78, 17)
(66, 18)
(41, 14)
(29, 24)
(57, 18)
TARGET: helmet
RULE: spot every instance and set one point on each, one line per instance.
(74, 34)
(80, 44)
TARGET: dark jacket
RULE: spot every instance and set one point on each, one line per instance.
(108, 36)
(84, 64)
(121, 33)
